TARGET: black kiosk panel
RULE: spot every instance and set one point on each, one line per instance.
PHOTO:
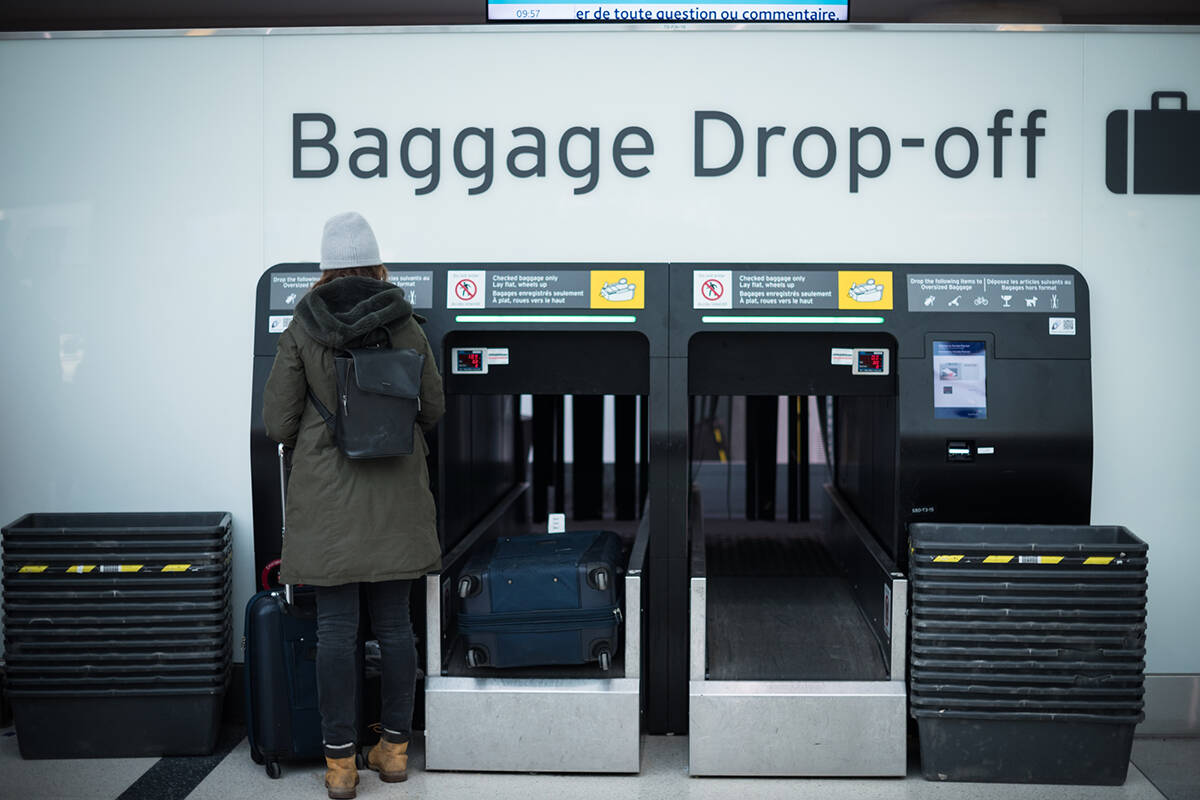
(538, 362)
(549, 330)
(788, 362)
(988, 365)
(942, 392)
(509, 337)
(559, 337)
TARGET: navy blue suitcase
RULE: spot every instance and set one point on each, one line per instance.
(282, 717)
(283, 720)
(542, 599)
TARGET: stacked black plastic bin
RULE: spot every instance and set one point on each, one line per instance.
(1027, 651)
(117, 632)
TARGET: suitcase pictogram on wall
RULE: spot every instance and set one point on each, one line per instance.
(1166, 148)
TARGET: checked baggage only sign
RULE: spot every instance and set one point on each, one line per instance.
(524, 288)
(763, 288)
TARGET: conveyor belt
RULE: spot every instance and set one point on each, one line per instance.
(778, 609)
(755, 549)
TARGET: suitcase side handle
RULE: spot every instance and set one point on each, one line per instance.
(1158, 97)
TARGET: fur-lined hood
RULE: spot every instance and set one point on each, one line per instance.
(349, 308)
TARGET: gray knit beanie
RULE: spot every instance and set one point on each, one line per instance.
(348, 242)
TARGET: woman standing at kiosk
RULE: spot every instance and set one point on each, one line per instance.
(351, 522)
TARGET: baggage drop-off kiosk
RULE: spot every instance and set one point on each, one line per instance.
(951, 393)
(537, 362)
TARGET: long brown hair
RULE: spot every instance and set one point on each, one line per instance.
(378, 272)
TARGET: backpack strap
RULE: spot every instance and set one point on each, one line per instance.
(321, 409)
(319, 406)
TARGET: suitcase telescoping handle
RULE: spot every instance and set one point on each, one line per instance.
(1158, 97)
(285, 462)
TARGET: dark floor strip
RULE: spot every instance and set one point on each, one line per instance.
(174, 777)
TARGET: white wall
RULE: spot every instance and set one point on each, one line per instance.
(145, 184)
(131, 195)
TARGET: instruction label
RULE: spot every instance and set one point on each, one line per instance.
(527, 289)
(614, 288)
(775, 289)
(764, 289)
(862, 290)
(1062, 326)
(417, 286)
(1018, 294)
(546, 289)
(465, 288)
(288, 287)
(791, 290)
(841, 357)
(712, 288)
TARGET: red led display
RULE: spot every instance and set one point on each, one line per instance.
(870, 362)
(471, 360)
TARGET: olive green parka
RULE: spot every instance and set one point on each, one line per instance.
(362, 520)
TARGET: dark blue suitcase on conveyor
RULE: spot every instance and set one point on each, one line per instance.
(542, 599)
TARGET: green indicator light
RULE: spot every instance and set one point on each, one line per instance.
(749, 320)
(603, 319)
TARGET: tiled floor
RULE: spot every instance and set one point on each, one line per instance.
(1173, 764)
(65, 779)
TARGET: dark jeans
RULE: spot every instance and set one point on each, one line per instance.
(339, 674)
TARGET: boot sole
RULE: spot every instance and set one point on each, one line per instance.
(389, 777)
(342, 794)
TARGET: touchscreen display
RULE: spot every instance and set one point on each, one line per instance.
(960, 380)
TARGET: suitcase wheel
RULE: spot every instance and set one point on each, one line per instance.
(273, 770)
(476, 657)
(605, 660)
(598, 578)
(467, 586)
(360, 760)
(256, 755)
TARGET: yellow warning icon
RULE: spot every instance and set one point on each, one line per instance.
(864, 290)
(618, 288)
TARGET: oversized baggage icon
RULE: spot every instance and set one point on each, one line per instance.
(1166, 148)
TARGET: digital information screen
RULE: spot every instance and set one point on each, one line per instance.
(469, 361)
(628, 11)
(960, 380)
(870, 362)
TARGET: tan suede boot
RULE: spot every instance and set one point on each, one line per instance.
(390, 760)
(341, 776)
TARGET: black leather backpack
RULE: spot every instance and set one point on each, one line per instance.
(379, 395)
